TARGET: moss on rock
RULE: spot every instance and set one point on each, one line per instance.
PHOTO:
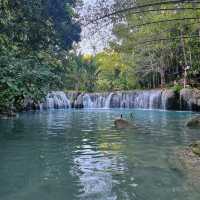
(196, 148)
(194, 122)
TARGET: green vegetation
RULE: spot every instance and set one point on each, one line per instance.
(159, 42)
(82, 72)
(34, 40)
(114, 74)
(177, 88)
(153, 45)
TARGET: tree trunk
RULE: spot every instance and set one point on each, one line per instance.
(162, 72)
(183, 48)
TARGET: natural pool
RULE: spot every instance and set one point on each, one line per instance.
(79, 155)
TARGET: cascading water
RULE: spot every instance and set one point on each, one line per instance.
(108, 100)
(134, 99)
(146, 99)
(155, 100)
(164, 100)
(141, 100)
(87, 102)
(56, 100)
(96, 100)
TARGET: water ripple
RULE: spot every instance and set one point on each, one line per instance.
(80, 155)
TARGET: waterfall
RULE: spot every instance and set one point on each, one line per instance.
(164, 100)
(87, 102)
(155, 100)
(108, 100)
(149, 99)
(142, 100)
(56, 100)
(146, 99)
(97, 100)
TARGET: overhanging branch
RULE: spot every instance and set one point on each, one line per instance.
(162, 21)
(140, 7)
(150, 42)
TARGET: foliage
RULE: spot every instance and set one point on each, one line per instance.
(113, 71)
(34, 39)
(177, 88)
(158, 46)
(82, 72)
(153, 43)
(62, 15)
(23, 78)
(105, 71)
(151, 46)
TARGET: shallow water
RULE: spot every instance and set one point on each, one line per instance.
(79, 155)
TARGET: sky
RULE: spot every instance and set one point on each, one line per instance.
(93, 41)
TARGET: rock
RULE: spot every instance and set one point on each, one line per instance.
(122, 124)
(190, 163)
(194, 122)
(196, 148)
(190, 99)
(8, 115)
(78, 103)
(31, 105)
(72, 96)
(12, 114)
(115, 101)
(170, 100)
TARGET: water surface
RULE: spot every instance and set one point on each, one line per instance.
(79, 155)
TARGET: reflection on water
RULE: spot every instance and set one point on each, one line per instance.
(79, 155)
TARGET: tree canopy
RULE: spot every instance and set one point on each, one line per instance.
(157, 39)
(34, 39)
(153, 44)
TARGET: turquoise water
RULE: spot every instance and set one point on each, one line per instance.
(79, 155)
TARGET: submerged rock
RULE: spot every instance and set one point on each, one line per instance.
(122, 124)
(190, 163)
(196, 148)
(194, 122)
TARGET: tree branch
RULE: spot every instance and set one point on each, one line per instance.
(140, 7)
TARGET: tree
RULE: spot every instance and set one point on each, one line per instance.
(62, 14)
(82, 72)
(160, 38)
(158, 41)
(114, 72)
(32, 49)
